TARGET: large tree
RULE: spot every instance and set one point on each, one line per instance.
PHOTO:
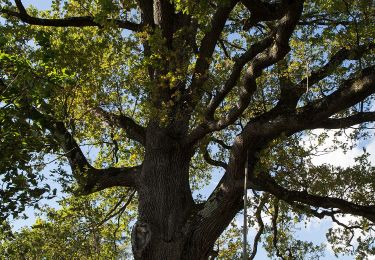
(167, 92)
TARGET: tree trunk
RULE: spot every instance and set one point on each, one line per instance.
(165, 199)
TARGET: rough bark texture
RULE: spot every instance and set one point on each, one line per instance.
(165, 198)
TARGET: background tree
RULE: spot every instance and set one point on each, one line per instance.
(81, 229)
(165, 91)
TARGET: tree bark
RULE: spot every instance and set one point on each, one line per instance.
(165, 198)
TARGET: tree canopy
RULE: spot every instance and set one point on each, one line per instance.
(150, 102)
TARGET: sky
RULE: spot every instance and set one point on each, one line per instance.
(314, 231)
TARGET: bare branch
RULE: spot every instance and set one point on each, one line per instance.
(224, 48)
(275, 239)
(112, 212)
(82, 21)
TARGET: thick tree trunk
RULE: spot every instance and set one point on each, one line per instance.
(165, 199)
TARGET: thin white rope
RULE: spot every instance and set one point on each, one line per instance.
(307, 75)
(245, 209)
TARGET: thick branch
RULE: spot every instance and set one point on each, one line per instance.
(89, 179)
(261, 130)
(269, 185)
(100, 179)
(317, 114)
(314, 212)
(164, 16)
(147, 12)
(324, 22)
(63, 137)
(133, 130)
(335, 123)
(350, 93)
(82, 21)
(323, 19)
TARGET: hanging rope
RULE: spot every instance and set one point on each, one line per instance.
(307, 75)
(245, 208)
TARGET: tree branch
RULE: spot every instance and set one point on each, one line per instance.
(206, 50)
(88, 178)
(324, 22)
(213, 162)
(165, 17)
(318, 214)
(63, 137)
(343, 54)
(82, 21)
(290, 93)
(266, 183)
(258, 215)
(112, 213)
(147, 11)
(133, 130)
(275, 238)
(235, 75)
(100, 179)
(348, 94)
(226, 200)
(322, 19)
(260, 61)
(220, 142)
(335, 123)
(262, 11)
(261, 130)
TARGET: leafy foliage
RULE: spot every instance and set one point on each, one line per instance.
(97, 84)
(79, 229)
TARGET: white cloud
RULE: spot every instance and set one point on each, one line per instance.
(338, 157)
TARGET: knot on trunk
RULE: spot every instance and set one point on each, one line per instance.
(141, 236)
